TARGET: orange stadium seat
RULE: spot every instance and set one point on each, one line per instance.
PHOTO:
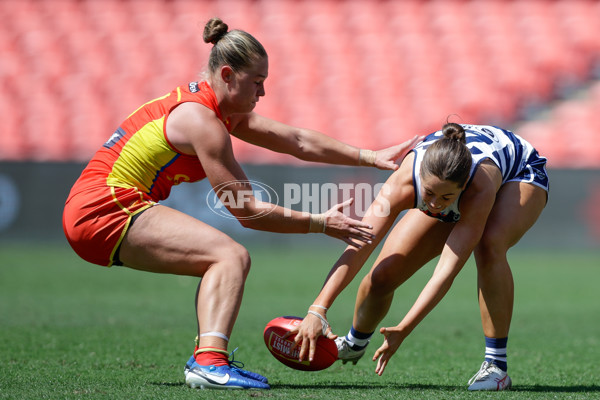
(14, 144)
(371, 73)
(568, 136)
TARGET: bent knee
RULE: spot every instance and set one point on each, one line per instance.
(234, 254)
(491, 249)
(492, 244)
(381, 281)
(242, 256)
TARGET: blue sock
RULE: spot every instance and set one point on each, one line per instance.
(495, 352)
(358, 340)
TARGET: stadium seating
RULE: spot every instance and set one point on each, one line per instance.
(370, 73)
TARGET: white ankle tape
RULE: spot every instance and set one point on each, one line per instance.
(217, 334)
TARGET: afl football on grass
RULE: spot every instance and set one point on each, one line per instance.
(325, 353)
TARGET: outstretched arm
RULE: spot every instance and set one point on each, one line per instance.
(194, 129)
(395, 196)
(476, 204)
(311, 145)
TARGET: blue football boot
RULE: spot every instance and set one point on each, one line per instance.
(236, 366)
(223, 377)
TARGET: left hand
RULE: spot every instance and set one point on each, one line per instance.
(385, 159)
(393, 339)
(338, 225)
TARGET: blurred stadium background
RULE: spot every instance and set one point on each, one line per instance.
(369, 72)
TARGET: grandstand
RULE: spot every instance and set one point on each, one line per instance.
(369, 72)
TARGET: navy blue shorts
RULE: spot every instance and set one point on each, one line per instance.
(534, 172)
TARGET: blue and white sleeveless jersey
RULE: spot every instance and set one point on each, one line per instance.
(514, 156)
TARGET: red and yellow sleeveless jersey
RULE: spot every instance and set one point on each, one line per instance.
(139, 155)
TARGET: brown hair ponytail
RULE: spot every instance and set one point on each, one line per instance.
(454, 131)
(235, 48)
(214, 30)
(449, 158)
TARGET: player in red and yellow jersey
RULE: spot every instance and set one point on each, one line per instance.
(134, 170)
(112, 215)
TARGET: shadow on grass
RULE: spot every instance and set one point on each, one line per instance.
(168, 384)
(340, 386)
(367, 386)
(556, 389)
(418, 386)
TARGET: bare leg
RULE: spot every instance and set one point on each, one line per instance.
(164, 240)
(517, 207)
(415, 240)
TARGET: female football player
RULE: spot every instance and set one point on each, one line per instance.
(468, 189)
(112, 215)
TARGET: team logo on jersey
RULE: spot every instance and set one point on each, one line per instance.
(193, 87)
(178, 178)
(119, 133)
(490, 134)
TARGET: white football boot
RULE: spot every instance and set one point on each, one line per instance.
(346, 352)
(490, 377)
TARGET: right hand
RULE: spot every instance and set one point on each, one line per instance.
(351, 231)
(307, 334)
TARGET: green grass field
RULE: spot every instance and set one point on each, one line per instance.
(71, 330)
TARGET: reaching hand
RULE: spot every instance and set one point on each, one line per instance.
(340, 226)
(385, 159)
(393, 339)
(307, 334)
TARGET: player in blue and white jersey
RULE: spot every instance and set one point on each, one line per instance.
(516, 158)
(468, 189)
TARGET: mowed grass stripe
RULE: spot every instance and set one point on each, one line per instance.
(69, 329)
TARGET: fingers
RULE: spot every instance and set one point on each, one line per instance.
(312, 349)
(340, 206)
(389, 155)
(301, 340)
(361, 235)
(358, 224)
(377, 353)
(292, 331)
(357, 234)
(297, 338)
(303, 349)
(357, 227)
(356, 243)
(308, 333)
(382, 348)
(313, 345)
(383, 353)
(308, 345)
(409, 144)
(381, 364)
(331, 335)
(336, 216)
(382, 357)
(416, 139)
(352, 231)
(356, 238)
